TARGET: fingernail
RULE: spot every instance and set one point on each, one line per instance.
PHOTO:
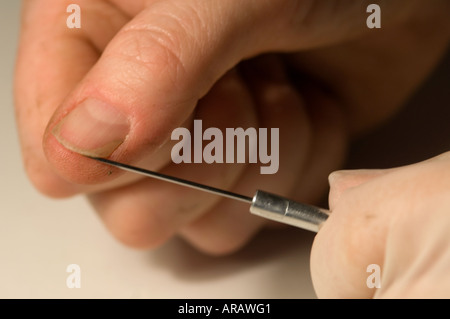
(93, 128)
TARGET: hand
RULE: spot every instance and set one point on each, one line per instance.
(397, 219)
(135, 71)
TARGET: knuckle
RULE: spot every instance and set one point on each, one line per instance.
(151, 45)
(159, 50)
(149, 57)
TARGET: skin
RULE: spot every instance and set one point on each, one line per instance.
(159, 64)
(396, 218)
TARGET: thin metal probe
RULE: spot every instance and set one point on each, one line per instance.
(263, 204)
(176, 180)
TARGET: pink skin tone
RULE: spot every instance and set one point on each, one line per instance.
(136, 70)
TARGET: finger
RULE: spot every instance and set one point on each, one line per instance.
(352, 239)
(148, 212)
(370, 225)
(151, 75)
(146, 83)
(229, 225)
(355, 234)
(51, 60)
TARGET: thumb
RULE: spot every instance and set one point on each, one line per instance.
(149, 79)
(158, 66)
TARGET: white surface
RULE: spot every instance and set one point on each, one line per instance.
(40, 237)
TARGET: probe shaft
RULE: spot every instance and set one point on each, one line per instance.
(263, 204)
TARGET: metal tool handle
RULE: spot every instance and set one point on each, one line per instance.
(286, 211)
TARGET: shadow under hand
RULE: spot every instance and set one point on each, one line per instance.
(280, 256)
